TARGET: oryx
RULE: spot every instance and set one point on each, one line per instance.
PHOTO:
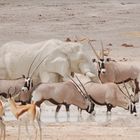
(17, 83)
(21, 84)
(108, 94)
(117, 72)
(66, 93)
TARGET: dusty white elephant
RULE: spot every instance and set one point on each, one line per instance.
(62, 59)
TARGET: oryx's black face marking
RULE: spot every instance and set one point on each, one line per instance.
(28, 83)
(5, 95)
(90, 109)
(101, 66)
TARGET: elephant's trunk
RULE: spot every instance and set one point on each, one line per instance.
(85, 69)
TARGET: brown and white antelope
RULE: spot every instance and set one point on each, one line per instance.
(24, 83)
(117, 72)
(107, 94)
(18, 83)
(28, 113)
(66, 93)
(2, 125)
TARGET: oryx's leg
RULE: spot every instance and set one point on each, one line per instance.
(57, 110)
(137, 89)
(79, 111)
(79, 114)
(137, 86)
(67, 110)
(108, 116)
(109, 107)
(133, 109)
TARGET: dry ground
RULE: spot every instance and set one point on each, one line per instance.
(114, 21)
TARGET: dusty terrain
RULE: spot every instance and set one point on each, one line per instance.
(116, 22)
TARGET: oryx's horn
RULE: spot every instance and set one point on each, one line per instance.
(10, 94)
(38, 65)
(33, 63)
(81, 92)
(127, 90)
(82, 85)
(102, 50)
(89, 42)
(79, 40)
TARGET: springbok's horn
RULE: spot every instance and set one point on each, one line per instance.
(38, 65)
(102, 50)
(89, 42)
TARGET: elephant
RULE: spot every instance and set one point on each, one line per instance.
(61, 59)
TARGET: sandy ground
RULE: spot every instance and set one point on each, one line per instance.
(114, 21)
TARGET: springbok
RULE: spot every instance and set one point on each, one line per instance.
(117, 72)
(2, 125)
(28, 113)
(66, 93)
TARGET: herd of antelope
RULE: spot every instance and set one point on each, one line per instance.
(85, 96)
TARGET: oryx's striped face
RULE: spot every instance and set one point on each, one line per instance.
(101, 66)
(28, 84)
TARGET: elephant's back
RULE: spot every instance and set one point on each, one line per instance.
(18, 46)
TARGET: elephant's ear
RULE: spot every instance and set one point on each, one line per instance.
(59, 65)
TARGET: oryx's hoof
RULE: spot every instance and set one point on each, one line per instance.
(108, 112)
(93, 113)
(135, 114)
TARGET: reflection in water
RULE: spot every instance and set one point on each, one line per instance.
(48, 115)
